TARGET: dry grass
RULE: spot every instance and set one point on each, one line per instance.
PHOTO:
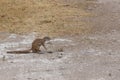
(46, 17)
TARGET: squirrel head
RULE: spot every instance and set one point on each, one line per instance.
(47, 38)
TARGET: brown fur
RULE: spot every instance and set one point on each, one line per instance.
(36, 44)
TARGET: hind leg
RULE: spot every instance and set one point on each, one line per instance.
(36, 51)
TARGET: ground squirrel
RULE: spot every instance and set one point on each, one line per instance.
(36, 44)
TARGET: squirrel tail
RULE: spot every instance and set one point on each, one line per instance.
(19, 52)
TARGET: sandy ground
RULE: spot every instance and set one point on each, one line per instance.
(87, 57)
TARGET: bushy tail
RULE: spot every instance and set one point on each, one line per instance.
(19, 52)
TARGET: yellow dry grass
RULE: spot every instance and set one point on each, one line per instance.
(46, 17)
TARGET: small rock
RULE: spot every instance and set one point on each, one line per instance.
(60, 55)
(4, 58)
(29, 78)
(48, 70)
(11, 62)
(49, 52)
(110, 53)
(60, 50)
(110, 74)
